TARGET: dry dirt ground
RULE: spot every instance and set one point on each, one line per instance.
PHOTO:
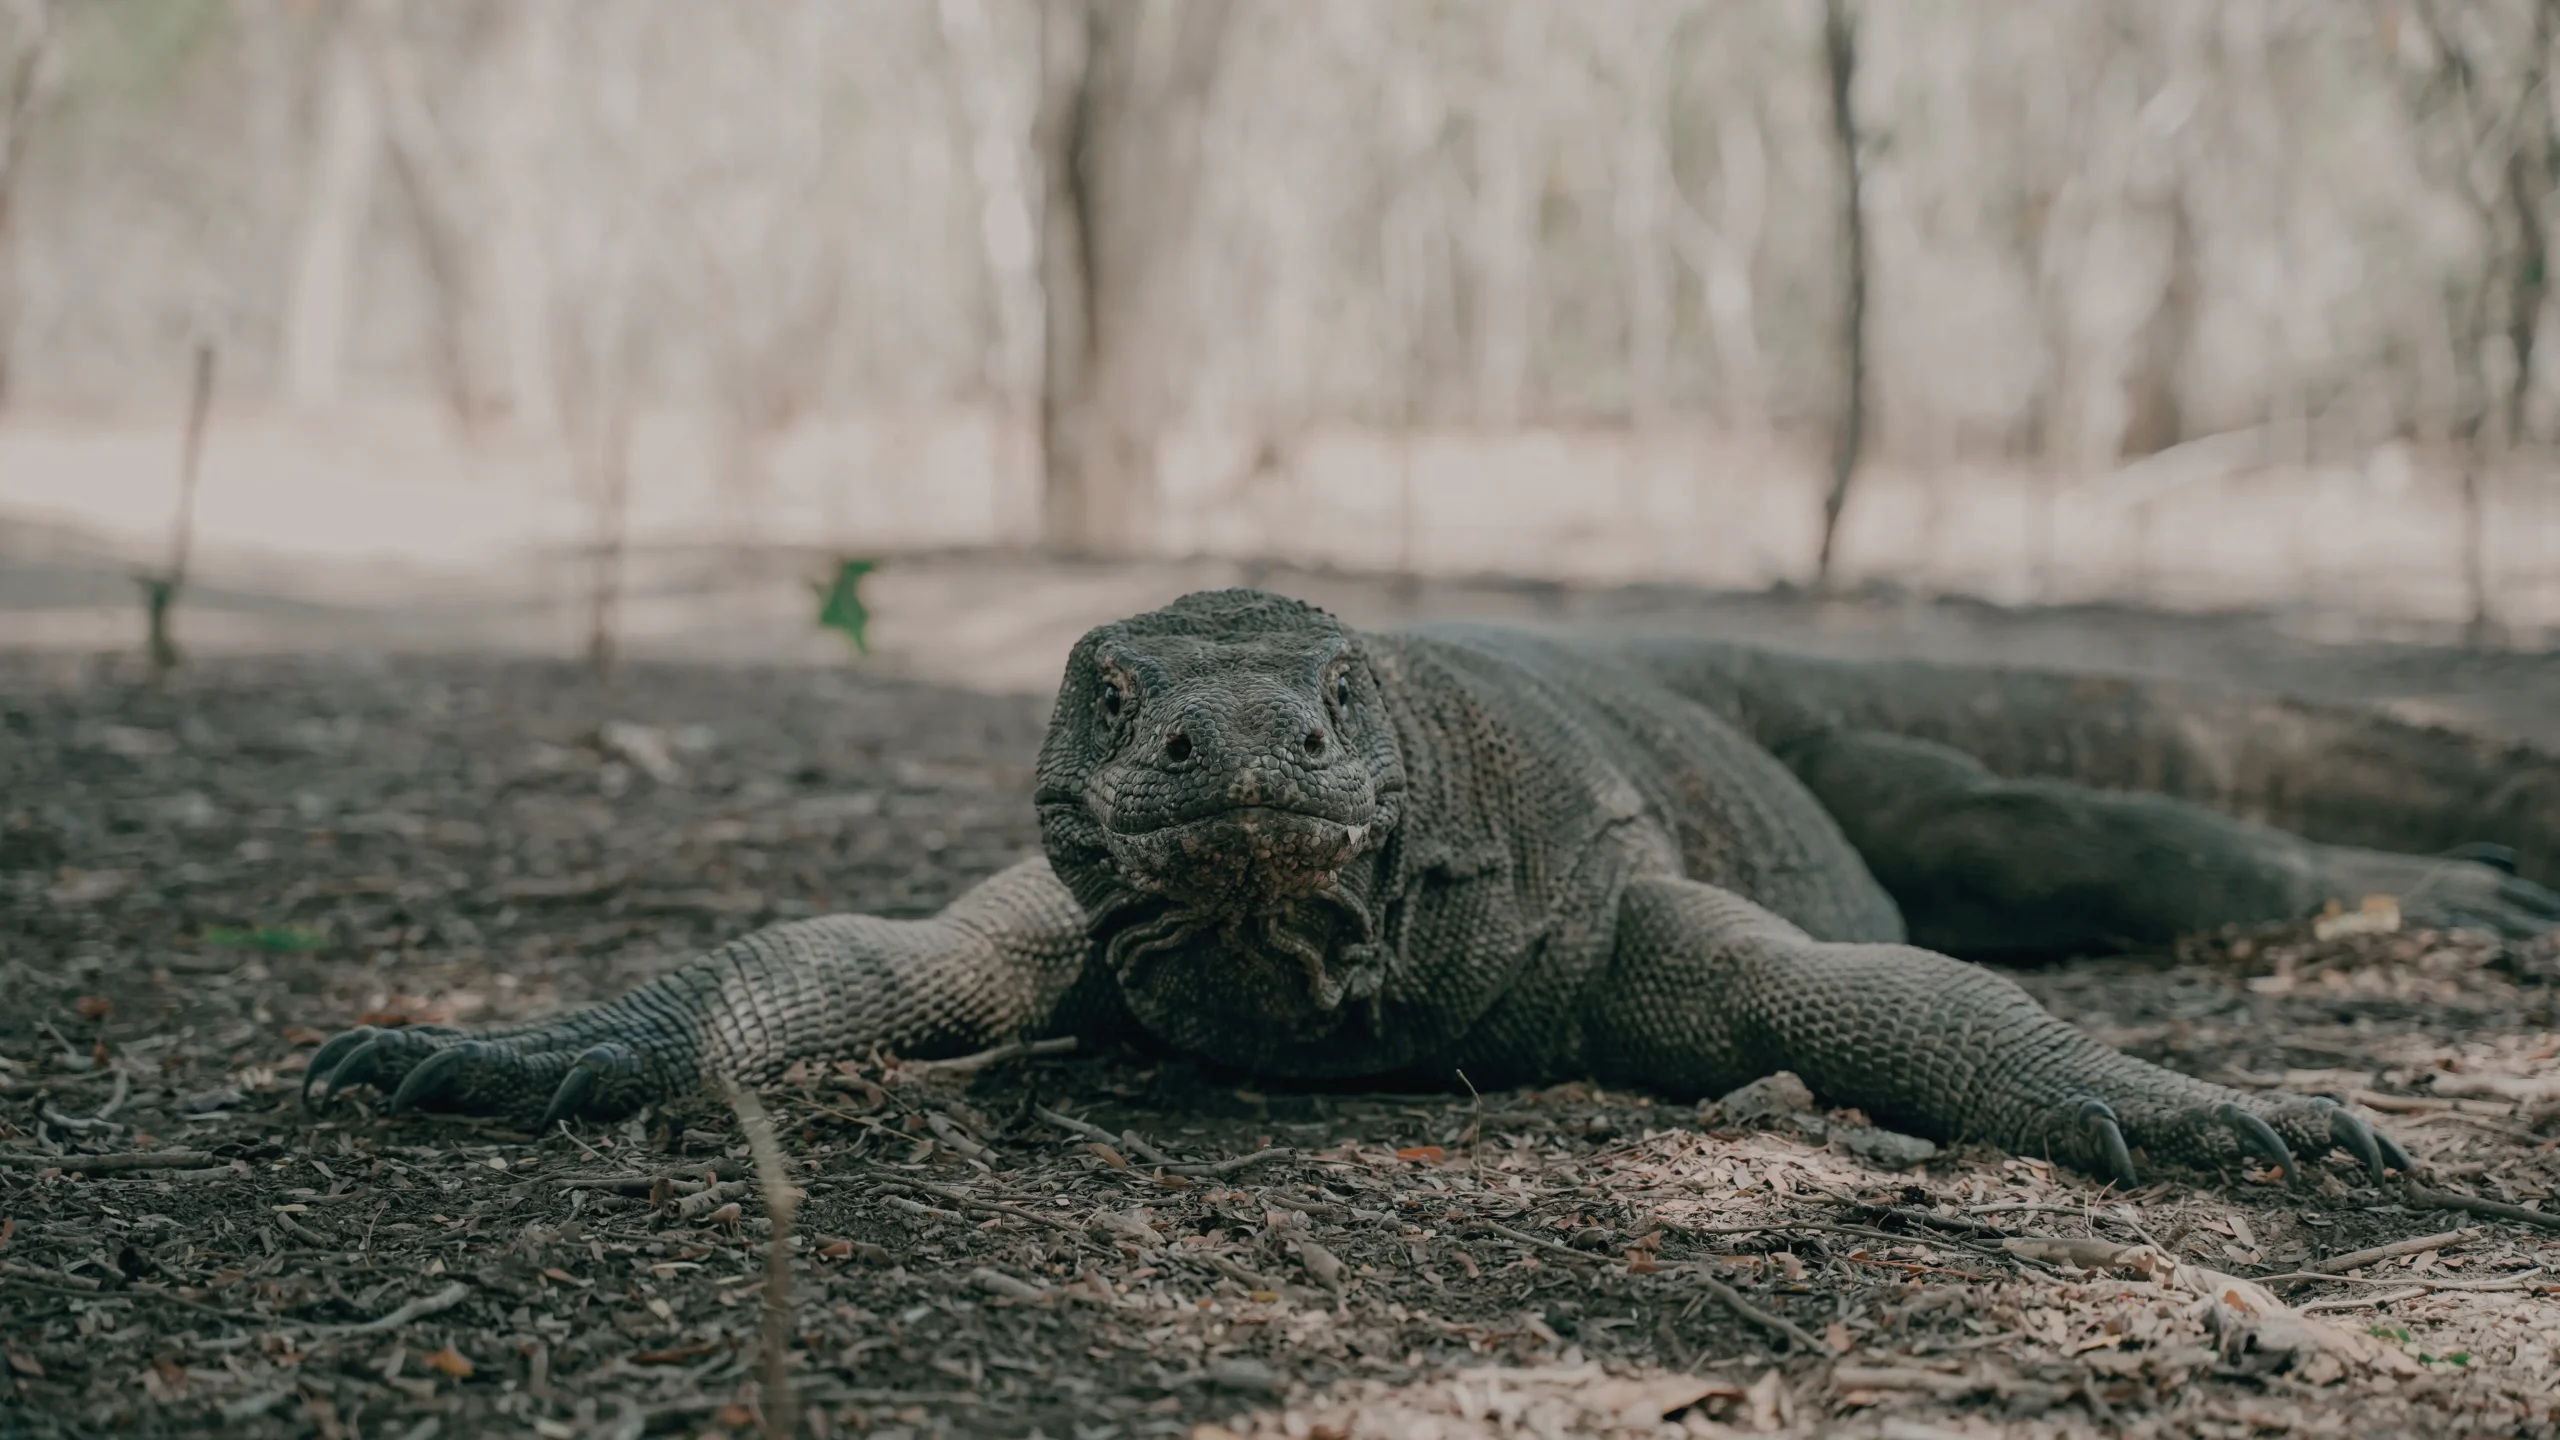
(197, 885)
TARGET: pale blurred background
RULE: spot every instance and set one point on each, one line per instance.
(536, 323)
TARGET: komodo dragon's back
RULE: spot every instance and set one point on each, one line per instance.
(1547, 746)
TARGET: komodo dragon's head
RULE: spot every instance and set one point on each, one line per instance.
(1219, 779)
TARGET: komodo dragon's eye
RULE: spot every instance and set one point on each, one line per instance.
(1342, 689)
(1115, 698)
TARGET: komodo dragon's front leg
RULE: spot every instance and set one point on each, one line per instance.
(1001, 961)
(1706, 991)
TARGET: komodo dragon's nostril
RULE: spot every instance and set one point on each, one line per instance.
(1314, 744)
(1177, 747)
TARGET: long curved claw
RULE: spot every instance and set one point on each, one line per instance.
(2098, 1118)
(2392, 1155)
(325, 1061)
(585, 1074)
(432, 1076)
(363, 1066)
(2539, 901)
(2258, 1138)
(2348, 1132)
(2484, 852)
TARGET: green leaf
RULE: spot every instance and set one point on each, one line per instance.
(840, 604)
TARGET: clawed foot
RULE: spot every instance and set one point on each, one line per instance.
(2319, 1125)
(529, 1078)
(2472, 887)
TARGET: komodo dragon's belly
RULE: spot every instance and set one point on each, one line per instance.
(1603, 734)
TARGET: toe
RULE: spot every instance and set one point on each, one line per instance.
(2348, 1132)
(2098, 1121)
(432, 1077)
(583, 1086)
(2258, 1138)
(2392, 1155)
(326, 1060)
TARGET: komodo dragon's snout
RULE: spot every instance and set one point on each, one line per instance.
(1229, 771)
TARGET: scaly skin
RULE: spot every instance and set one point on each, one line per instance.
(1310, 852)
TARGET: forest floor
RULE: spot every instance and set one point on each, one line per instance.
(198, 884)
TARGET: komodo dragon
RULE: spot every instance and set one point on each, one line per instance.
(1307, 851)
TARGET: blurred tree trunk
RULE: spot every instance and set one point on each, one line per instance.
(520, 283)
(336, 197)
(2491, 82)
(1124, 86)
(1007, 246)
(2158, 418)
(1848, 438)
(27, 77)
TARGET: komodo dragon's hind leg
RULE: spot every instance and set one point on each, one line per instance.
(1983, 865)
(1004, 959)
(1706, 991)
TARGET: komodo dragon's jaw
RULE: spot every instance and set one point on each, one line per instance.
(1218, 785)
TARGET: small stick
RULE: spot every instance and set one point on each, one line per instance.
(1229, 1167)
(2502, 1282)
(1139, 1147)
(592, 1152)
(41, 1275)
(303, 1233)
(2421, 1104)
(110, 1164)
(1073, 1126)
(1796, 1334)
(918, 1207)
(779, 1417)
(1733, 1299)
(1090, 1131)
(991, 1207)
(972, 1064)
(443, 1300)
(2431, 1199)
(2341, 1264)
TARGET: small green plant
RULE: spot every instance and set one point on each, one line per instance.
(264, 937)
(840, 604)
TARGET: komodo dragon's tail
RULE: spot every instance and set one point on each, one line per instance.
(2331, 773)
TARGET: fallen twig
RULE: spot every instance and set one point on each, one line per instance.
(948, 1131)
(443, 1300)
(2500, 1282)
(1135, 1143)
(1766, 1320)
(2355, 1259)
(707, 1199)
(41, 1275)
(1074, 1126)
(972, 1064)
(967, 1201)
(107, 1164)
(1229, 1167)
(303, 1233)
(2358, 1302)
(2420, 1104)
(2427, 1198)
(918, 1207)
(1910, 1215)
(779, 1417)
(1733, 1299)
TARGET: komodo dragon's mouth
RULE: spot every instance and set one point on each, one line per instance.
(1248, 855)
